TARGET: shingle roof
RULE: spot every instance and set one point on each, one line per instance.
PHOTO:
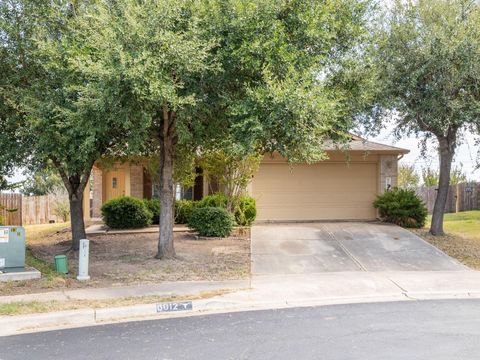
(359, 144)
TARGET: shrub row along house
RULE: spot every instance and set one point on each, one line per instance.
(342, 187)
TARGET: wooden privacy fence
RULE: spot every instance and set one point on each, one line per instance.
(11, 209)
(41, 209)
(30, 209)
(461, 197)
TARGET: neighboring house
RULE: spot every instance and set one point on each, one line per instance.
(342, 187)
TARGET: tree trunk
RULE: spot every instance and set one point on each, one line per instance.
(447, 150)
(165, 241)
(76, 219)
(75, 185)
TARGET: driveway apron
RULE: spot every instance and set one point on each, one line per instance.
(309, 248)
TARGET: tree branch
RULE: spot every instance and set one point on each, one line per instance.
(63, 175)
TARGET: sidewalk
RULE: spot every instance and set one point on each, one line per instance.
(267, 292)
(165, 289)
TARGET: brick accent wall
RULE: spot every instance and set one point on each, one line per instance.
(388, 169)
(136, 181)
(97, 192)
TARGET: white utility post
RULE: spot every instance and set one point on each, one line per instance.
(83, 261)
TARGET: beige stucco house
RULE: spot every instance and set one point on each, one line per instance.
(342, 187)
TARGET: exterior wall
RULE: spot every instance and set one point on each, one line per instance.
(388, 172)
(147, 185)
(127, 179)
(354, 192)
(97, 190)
(136, 181)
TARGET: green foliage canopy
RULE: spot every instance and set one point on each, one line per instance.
(268, 75)
(51, 110)
(425, 57)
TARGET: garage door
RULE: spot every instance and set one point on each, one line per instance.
(324, 191)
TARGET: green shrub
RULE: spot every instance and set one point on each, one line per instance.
(62, 210)
(183, 210)
(245, 211)
(215, 200)
(154, 206)
(211, 221)
(126, 213)
(402, 207)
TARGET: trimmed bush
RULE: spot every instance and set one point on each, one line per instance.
(154, 206)
(183, 210)
(126, 213)
(211, 221)
(402, 207)
(245, 211)
(215, 200)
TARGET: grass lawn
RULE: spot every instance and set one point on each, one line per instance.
(462, 239)
(34, 235)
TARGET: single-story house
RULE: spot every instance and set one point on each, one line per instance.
(342, 187)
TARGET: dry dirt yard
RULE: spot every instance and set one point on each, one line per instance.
(126, 259)
(461, 239)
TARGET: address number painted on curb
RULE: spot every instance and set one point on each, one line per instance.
(174, 306)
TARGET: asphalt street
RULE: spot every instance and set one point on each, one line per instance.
(448, 329)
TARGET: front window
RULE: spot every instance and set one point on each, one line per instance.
(181, 192)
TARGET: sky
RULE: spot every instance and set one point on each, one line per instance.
(466, 153)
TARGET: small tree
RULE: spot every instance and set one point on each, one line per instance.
(233, 172)
(428, 74)
(429, 176)
(457, 175)
(407, 177)
(62, 210)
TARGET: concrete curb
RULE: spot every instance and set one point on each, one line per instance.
(12, 325)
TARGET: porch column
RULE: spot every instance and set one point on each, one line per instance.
(97, 192)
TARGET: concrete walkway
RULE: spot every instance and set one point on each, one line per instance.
(312, 248)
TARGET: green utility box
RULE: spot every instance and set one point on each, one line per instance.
(12, 247)
(61, 264)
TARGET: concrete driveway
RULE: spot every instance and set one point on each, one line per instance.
(309, 248)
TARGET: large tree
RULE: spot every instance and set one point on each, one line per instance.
(429, 77)
(55, 113)
(270, 75)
